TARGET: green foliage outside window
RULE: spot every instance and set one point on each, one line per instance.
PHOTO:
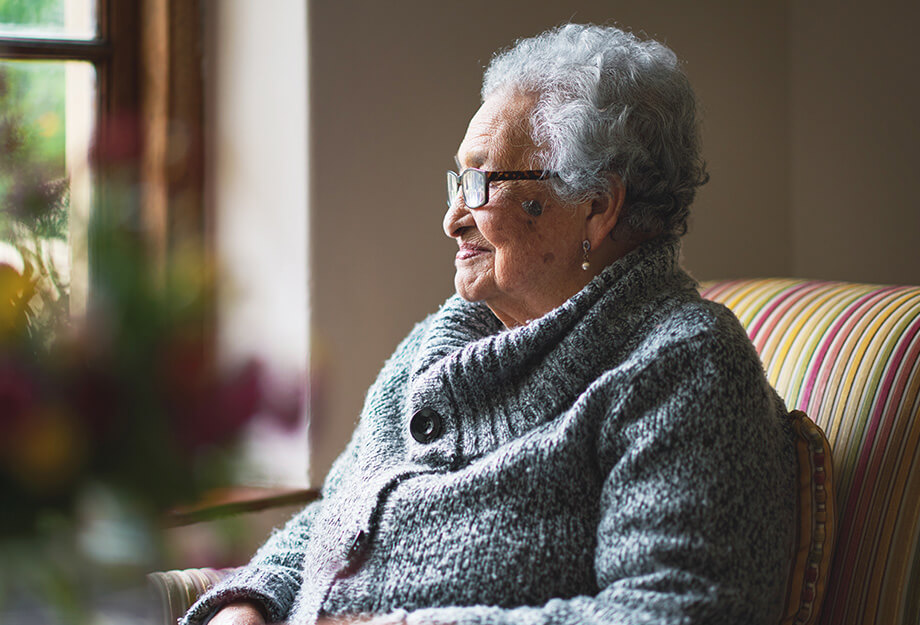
(34, 199)
(32, 12)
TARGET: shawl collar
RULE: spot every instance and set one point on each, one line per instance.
(499, 383)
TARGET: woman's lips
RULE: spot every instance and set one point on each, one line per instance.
(468, 251)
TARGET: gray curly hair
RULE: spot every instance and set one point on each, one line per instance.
(609, 103)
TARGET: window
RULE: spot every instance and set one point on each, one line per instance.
(142, 97)
(139, 97)
(66, 71)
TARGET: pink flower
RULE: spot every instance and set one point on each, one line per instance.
(284, 402)
(239, 397)
(213, 409)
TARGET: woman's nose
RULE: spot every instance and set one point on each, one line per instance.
(457, 217)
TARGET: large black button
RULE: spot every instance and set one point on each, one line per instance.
(426, 425)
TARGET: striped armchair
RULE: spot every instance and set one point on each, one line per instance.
(848, 355)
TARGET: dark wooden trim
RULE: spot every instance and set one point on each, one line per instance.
(120, 74)
(94, 50)
(231, 501)
(118, 140)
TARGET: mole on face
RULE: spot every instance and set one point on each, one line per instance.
(548, 258)
(532, 208)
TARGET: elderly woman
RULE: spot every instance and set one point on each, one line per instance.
(575, 436)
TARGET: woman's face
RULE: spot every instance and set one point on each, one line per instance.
(521, 266)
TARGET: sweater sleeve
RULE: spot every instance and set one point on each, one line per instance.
(697, 504)
(275, 573)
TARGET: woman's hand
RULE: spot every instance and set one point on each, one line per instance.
(241, 613)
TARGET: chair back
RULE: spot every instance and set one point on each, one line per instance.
(848, 355)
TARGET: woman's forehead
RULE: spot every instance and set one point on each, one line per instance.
(498, 136)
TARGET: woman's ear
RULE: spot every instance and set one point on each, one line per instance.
(605, 211)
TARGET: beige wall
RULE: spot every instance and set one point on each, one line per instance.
(257, 141)
(855, 140)
(393, 85)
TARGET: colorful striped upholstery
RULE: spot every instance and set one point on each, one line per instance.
(848, 355)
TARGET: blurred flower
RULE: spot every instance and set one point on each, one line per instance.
(16, 290)
(108, 420)
(209, 408)
(46, 450)
(121, 144)
(285, 400)
(224, 407)
(129, 403)
(17, 394)
(184, 365)
(87, 381)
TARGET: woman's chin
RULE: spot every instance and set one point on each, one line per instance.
(471, 288)
(467, 293)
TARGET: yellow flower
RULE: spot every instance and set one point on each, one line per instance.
(15, 293)
(47, 451)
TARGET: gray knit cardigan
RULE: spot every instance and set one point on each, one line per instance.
(620, 460)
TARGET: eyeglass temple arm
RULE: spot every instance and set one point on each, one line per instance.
(529, 174)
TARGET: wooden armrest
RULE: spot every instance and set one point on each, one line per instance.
(226, 501)
(178, 590)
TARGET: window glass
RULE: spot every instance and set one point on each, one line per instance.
(71, 19)
(46, 121)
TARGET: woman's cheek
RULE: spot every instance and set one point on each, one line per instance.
(491, 227)
(513, 268)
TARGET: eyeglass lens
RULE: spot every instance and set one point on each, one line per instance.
(474, 187)
(453, 186)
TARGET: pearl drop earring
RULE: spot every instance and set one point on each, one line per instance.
(586, 246)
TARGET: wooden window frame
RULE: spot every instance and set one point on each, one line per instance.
(148, 80)
(115, 55)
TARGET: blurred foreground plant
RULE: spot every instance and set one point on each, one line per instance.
(129, 396)
(109, 419)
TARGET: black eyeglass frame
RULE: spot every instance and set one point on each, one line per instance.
(455, 181)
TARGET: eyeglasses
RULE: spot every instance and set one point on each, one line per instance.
(475, 183)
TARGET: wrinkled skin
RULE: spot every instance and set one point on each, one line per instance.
(520, 265)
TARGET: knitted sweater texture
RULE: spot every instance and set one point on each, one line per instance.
(621, 459)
